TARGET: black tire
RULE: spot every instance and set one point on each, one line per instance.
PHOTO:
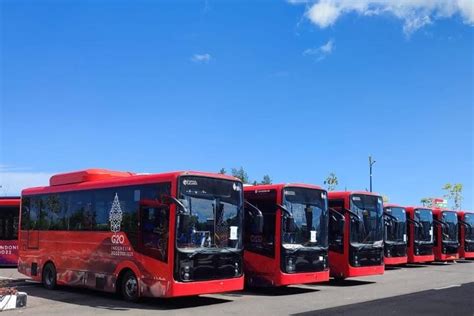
(49, 276)
(129, 287)
(339, 279)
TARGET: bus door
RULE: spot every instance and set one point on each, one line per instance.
(154, 229)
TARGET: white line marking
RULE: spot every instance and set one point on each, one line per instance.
(447, 287)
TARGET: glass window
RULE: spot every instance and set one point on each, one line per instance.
(214, 219)
(155, 230)
(368, 229)
(265, 201)
(9, 223)
(396, 228)
(450, 230)
(424, 231)
(469, 230)
(309, 210)
(336, 226)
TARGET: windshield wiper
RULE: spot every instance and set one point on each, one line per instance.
(212, 250)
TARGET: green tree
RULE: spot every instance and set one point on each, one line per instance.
(241, 174)
(266, 179)
(222, 171)
(331, 181)
(427, 202)
(454, 193)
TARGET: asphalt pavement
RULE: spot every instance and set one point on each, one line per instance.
(429, 289)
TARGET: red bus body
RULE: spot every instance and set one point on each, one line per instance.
(466, 234)
(9, 214)
(445, 250)
(395, 252)
(346, 259)
(123, 238)
(266, 256)
(418, 250)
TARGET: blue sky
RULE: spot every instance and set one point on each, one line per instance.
(293, 90)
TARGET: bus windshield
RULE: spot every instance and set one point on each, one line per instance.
(469, 230)
(424, 231)
(368, 228)
(396, 230)
(451, 230)
(310, 216)
(213, 215)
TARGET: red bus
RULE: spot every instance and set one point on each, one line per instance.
(395, 239)
(466, 234)
(445, 235)
(291, 245)
(157, 235)
(9, 213)
(420, 234)
(356, 227)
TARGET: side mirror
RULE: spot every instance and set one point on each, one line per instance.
(290, 226)
(256, 228)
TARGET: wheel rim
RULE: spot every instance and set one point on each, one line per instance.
(49, 277)
(131, 287)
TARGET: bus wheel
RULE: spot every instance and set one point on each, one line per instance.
(339, 279)
(129, 287)
(49, 276)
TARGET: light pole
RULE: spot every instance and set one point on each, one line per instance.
(371, 163)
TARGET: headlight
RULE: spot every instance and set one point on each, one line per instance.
(290, 265)
(186, 270)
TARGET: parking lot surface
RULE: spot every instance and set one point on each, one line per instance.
(428, 289)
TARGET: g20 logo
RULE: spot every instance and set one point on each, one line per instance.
(117, 239)
(115, 219)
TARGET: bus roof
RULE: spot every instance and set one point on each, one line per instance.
(280, 186)
(102, 178)
(9, 201)
(341, 194)
(392, 205)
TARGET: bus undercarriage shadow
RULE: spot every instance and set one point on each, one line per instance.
(110, 301)
(346, 282)
(416, 265)
(274, 291)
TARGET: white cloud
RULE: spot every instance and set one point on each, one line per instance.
(414, 13)
(320, 52)
(201, 58)
(12, 182)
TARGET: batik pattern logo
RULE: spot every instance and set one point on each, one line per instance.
(115, 215)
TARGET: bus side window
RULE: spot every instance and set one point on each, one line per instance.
(25, 213)
(336, 227)
(265, 243)
(155, 229)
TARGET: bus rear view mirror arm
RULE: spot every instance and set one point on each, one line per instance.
(353, 214)
(412, 221)
(285, 210)
(440, 222)
(257, 218)
(168, 199)
(390, 217)
(336, 212)
(464, 223)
